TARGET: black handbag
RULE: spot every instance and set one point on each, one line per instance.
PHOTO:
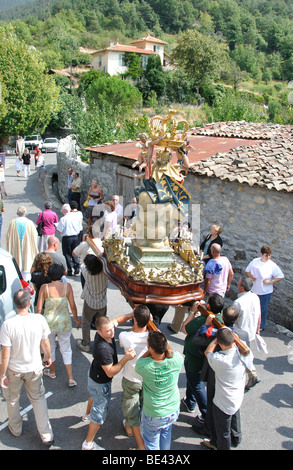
(40, 227)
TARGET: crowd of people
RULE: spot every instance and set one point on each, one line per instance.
(216, 372)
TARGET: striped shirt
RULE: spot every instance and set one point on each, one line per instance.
(95, 289)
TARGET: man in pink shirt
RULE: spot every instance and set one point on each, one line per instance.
(218, 273)
(49, 218)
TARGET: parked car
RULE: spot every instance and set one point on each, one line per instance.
(50, 145)
(10, 282)
(31, 141)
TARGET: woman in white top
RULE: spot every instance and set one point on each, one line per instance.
(264, 273)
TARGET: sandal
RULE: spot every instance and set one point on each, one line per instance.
(49, 374)
(72, 383)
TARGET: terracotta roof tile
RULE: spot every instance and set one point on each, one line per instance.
(264, 157)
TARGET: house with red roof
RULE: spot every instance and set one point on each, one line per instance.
(111, 59)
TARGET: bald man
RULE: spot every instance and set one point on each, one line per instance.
(58, 258)
(218, 273)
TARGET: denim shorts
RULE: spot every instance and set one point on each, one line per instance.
(101, 395)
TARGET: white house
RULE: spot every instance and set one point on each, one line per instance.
(112, 59)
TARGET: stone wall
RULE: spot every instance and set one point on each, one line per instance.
(251, 216)
(113, 177)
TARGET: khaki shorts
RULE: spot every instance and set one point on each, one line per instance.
(131, 402)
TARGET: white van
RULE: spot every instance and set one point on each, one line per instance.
(10, 282)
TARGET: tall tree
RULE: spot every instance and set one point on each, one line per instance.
(200, 56)
(30, 95)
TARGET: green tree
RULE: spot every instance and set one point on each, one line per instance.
(199, 55)
(133, 62)
(155, 75)
(30, 95)
(115, 92)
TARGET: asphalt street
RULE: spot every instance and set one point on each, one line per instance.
(266, 412)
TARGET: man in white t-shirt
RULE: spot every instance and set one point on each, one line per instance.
(229, 367)
(135, 339)
(264, 273)
(248, 306)
(70, 227)
(21, 338)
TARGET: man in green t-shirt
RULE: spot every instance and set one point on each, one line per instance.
(161, 397)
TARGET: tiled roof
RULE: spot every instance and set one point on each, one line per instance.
(125, 48)
(253, 153)
(269, 163)
(149, 39)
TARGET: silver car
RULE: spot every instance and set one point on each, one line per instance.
(50, 145)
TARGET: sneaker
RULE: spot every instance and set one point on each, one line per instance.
(208, 443)
(252, 382)
(81, 346)
(199, 419)
(48, 442)
(85, 418)
(199, 430)
(183, 401)
(91, 446)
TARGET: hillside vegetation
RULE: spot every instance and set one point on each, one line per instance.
(234, 58)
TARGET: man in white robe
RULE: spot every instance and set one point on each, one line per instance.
(22, 242)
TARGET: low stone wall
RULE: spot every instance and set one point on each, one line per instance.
(251, 216)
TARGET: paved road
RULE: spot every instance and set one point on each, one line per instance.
(266, 411)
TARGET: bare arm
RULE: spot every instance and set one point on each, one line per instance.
(230, 278)
(211, 347)
(122, 318)
(41, 299)
(4, 364)
(45, 344)
(73, 308)
(206, 285)
(113, 369)
(250, 275)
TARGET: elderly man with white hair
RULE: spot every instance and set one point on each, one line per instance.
(22, 242)
(70, 226)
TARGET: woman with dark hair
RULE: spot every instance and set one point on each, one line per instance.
(41, 265)
(94, 295)
(55, 298)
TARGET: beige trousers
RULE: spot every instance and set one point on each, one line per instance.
(179, 317)
(35, 390)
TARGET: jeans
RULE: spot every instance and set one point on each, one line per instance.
(264, 302)
(195, 391)
(101, 395)
(156, 432)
